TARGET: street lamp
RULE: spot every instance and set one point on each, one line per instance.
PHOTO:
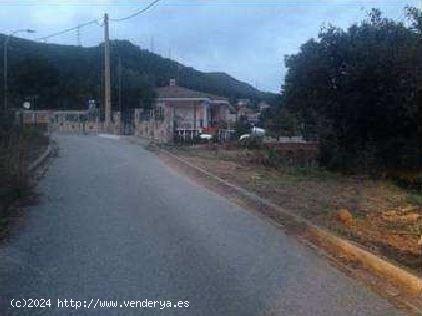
(6, 42)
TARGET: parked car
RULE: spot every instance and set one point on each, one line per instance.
(205, 136)
(255, 131)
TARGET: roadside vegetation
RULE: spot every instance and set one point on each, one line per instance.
(359, 92)
(19, 147)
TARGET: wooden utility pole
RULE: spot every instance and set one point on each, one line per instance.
(107, 85)
(120, 86)
(151, 44)
(78, 35)
(120, 96)
(5, 72)
(194, 120)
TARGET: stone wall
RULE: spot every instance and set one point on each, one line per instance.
(159, 129)
(75, 127)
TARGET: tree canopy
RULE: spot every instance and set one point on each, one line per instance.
(360, 91)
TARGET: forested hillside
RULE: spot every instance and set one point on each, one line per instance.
(64, 76)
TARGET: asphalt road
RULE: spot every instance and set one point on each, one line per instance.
(114, 223)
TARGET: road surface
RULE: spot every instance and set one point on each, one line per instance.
(114, 223)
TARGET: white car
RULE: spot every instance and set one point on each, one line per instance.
(205, 136)
(258, 131)
(244, 136)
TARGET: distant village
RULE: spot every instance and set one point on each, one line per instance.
(178, 115)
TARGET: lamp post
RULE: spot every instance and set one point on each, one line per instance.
(6, 42)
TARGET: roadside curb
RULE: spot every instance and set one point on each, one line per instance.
(35, 164)
(398, 276)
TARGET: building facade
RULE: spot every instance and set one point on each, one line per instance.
(182, 114)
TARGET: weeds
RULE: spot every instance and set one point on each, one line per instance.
(415, 198)
(18, 147)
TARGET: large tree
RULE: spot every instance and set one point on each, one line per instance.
(360, 89)
(33, 79)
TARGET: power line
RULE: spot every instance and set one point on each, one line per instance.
(96, 21)
(153, 3)
(78, 27)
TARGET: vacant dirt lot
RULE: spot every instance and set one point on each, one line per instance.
(376, 213)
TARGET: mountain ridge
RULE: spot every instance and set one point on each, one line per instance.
(67, 76)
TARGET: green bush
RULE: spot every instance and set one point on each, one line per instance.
(408, 179)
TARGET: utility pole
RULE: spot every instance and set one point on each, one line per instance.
(151, 44)
(107, 85)
(120, 86)
(78, 35)
(5, 73)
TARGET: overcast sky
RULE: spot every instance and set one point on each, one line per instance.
(246, 39)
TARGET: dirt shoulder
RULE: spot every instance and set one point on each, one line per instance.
(380, 216)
